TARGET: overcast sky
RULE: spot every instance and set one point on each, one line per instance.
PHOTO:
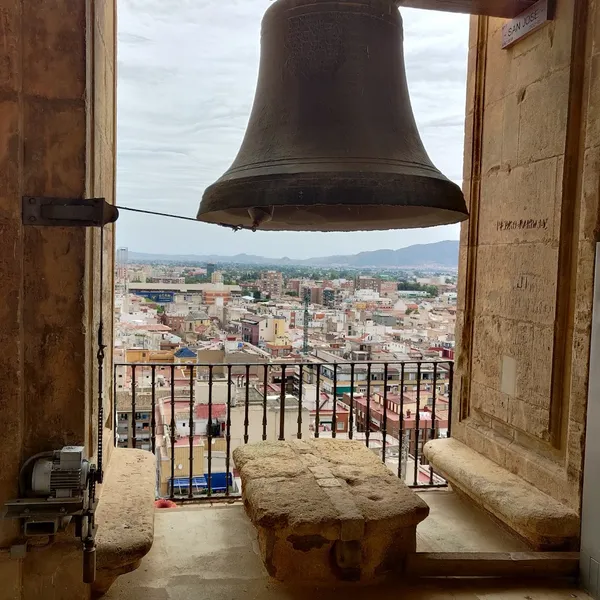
(186, 76)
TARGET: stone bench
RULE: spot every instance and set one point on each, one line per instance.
(327, 510)
(125, 515)
(540, 520)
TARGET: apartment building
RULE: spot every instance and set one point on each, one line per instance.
(271, 283)
(364, 282)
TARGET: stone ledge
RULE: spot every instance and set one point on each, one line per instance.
(541, 520)
(327, 510)
(125, 515)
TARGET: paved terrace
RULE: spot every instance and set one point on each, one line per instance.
(204, 552)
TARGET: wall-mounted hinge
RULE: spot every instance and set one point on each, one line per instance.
(68, 212)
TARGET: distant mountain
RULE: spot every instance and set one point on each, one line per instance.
(438, 254)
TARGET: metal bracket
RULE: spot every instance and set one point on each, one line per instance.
(67, 212)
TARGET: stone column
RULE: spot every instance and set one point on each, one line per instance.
(57, 138)
(532, 172)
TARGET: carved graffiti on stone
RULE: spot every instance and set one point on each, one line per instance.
(521, 224)
(522, 282)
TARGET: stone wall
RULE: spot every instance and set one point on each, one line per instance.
(532, 172)
(56, 139)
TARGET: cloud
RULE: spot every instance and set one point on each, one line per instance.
(187, 72)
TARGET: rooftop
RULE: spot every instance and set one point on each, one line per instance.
(185, 353)
(218, 411)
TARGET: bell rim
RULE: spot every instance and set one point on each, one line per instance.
(390, 194)
(443, 217)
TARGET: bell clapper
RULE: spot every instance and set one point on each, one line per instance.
(259, 216)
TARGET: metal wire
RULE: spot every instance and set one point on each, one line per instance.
(170, 216)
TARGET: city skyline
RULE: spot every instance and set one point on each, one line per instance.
(186, 86)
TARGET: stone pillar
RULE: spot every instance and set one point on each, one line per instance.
(532, 172)
(57, 138)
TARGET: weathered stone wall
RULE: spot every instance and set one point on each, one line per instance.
(56, 139)
(532, 172)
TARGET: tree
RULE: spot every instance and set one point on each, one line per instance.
(197, 279)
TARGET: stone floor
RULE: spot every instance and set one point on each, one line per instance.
(209, 552)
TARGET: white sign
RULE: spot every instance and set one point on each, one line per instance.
(528, 21)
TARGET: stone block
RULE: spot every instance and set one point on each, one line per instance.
(489, 401)
(498, 63)
(512, 357)
(10, 576)
(10, 22)
(493, 122)
(482, 438)
(56, 573)
(462, 281)
(510, 129)
(517, 281)
(548, 50)
(558, 206)
(539, 367)
(54, 50)
(575, 446)
(580, 365)
(540, 519)
(586, 261)
(345, 517)
(529, 418)
(467, 158)
(10, 148)
(543, 118)
(125, 515)
(594, 20)
(471, 80)
(541, 469)
(589, 226)
(55, 148)
(518, 204)
(473, 21)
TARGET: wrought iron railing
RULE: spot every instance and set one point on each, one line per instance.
(192, 416)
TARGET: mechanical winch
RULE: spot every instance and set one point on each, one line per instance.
(56, 489)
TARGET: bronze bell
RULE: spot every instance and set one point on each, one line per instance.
(332, 143)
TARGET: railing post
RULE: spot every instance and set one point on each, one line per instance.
(265, 384)
(401, 432)
(133, 436)
(417, 423)
(450, 393)
(318, 406)
(228, 432)
(384, 424)
(172, 432)
(153, 408)
(368, 413)
(247, 404)
(115, 412)
(210, 425)
(351, 416)
(432, 433)
(334, 415)
(282, 406)
(300, 388)
(191, 438)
